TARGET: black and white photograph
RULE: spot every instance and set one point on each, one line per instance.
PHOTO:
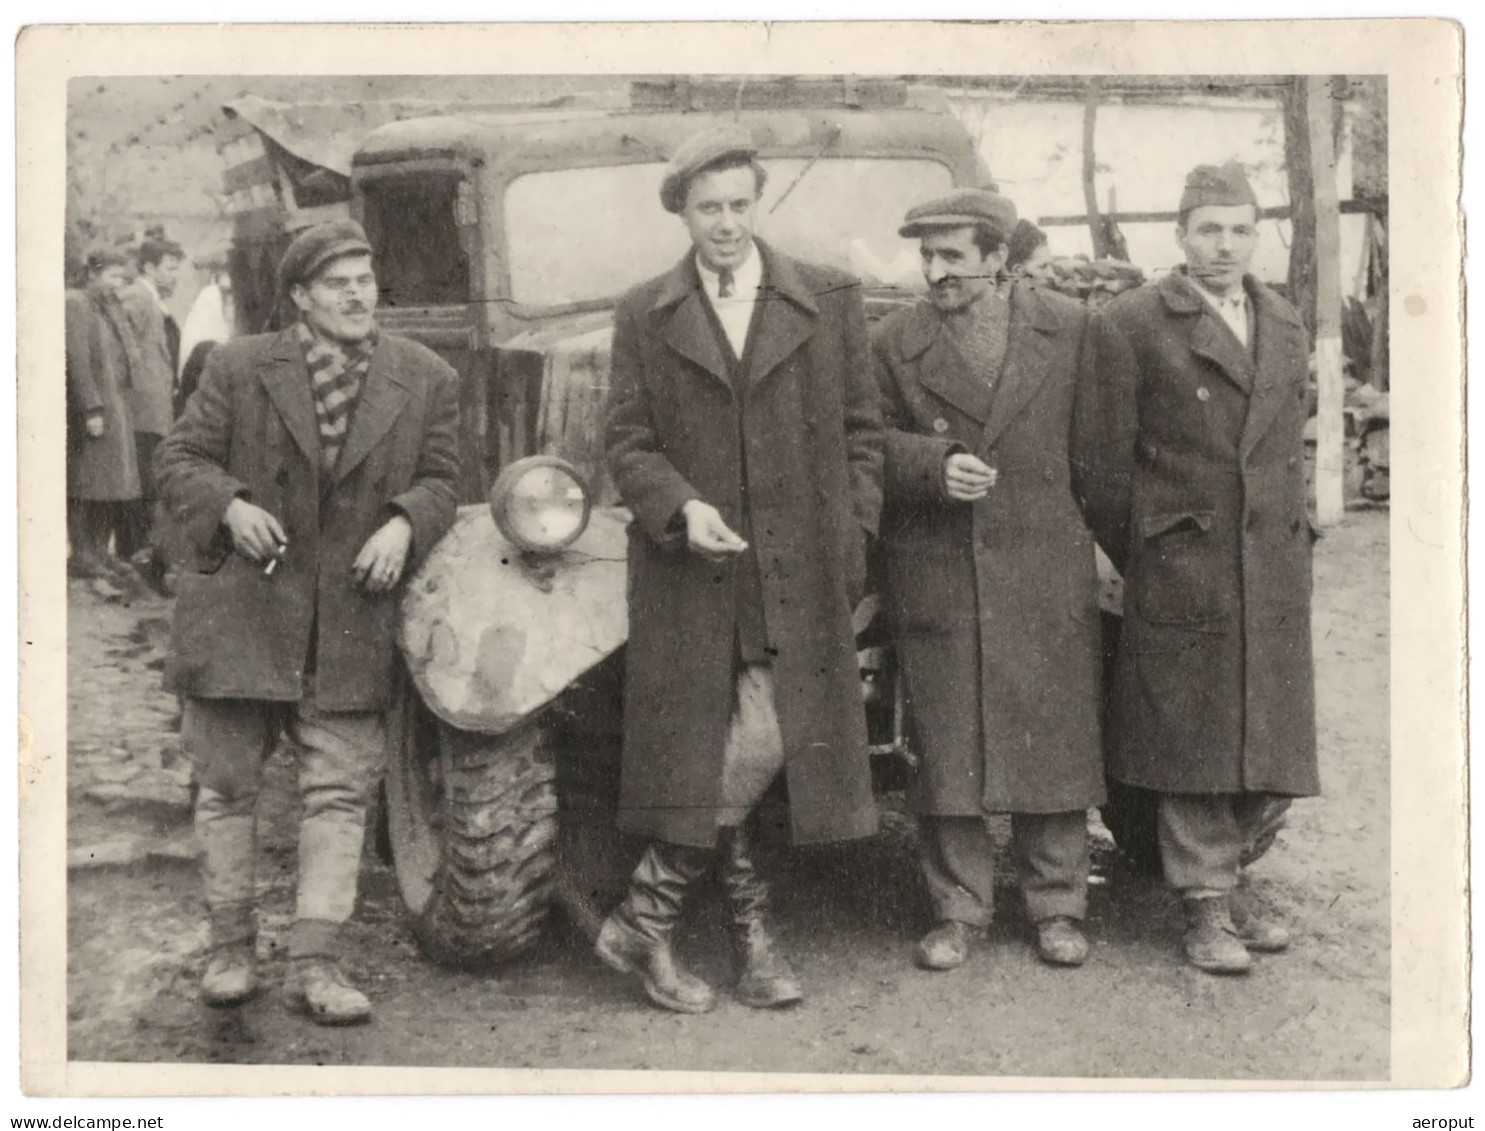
(868, 574)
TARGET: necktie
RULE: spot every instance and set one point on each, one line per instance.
(725, 283)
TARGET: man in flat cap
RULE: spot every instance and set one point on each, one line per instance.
(1204, 512)
(312, 470)
(744, 435)
(991, 577)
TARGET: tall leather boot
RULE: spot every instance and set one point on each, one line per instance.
(767, 980)
(636, 939)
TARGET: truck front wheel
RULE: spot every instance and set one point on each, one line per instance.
(472, 821)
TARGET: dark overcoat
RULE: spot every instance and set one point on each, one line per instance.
(993, 603)
(250, 430)
(152, 391)
(103, 468)
(1206, 516)
(801, 439)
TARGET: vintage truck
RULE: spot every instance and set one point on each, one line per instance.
(503, 237)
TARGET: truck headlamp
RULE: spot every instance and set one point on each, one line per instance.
(540, 504)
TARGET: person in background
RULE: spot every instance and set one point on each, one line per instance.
(744, 435)
(1027, 253)
(151, 397)
(1203, 510)
(102, 463)
(991, 583)
(312, 471)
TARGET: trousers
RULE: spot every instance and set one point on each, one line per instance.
(1201, 838)
(340, 758)
(753, 753)
(957, 856)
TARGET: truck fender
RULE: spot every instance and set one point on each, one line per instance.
(491, 635)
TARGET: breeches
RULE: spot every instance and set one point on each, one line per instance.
(753, 754)
(340, 761)
(1201, 838)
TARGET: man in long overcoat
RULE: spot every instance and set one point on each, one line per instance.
(744, 435)
(1213, 702)
(102, 472)
(991, 577)
(313, 469)
(152, 392)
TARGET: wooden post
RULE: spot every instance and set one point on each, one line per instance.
(1090, 193)
(1330, 432)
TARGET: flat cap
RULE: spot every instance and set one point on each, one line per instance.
(1225, 184)
(960, 209)
(100, 258)
(316, 246)
(697, 153)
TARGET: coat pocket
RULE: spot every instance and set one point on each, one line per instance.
(1177, 580)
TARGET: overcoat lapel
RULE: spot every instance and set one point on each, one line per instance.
(382, 399)
(685, 327)
(1210, 337)
(1279, 334)
(786, 320)
(942, 369)
(1027, 359)
(287, 383)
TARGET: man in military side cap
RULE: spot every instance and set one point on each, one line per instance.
(743, 433)
(1204, 512)
(991, 576)
(311, 471)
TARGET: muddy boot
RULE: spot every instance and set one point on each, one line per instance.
(1060, 942)
(231, 976)
(315, 985)
(767, 980)
(636, 938)
(1256, 933)
(945, 947)
(1212, 942)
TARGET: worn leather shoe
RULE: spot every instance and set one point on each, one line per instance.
(665, 983)
(1258, 934)
(1059, 942)
(316, 987)
(944, 947)
(1212, 942)
(231, 975)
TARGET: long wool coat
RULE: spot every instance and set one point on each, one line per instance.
(152, 393)
(1214, 683)
(250, 429)
(993, 603)
(801, 440)
(103, 468)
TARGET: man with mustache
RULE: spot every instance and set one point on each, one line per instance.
(991, 577)
(743, 433)
(312, 471)
(1203, 509)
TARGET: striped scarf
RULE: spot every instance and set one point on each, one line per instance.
(336, 373)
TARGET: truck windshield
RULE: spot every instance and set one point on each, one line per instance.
(584, 235)
(413, 222)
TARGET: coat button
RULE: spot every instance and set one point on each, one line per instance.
(1203, 393)
(282, 478)
(1293, 461)
(940, 425)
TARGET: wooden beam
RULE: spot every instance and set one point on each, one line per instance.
(1347, 208)
(1330, 455)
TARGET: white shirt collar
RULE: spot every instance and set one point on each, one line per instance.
(747, 276)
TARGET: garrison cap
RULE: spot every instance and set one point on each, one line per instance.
(316, 246)
(959, 209)
(1225, 184)
(696, 154)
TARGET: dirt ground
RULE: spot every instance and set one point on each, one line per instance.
(848, 916)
